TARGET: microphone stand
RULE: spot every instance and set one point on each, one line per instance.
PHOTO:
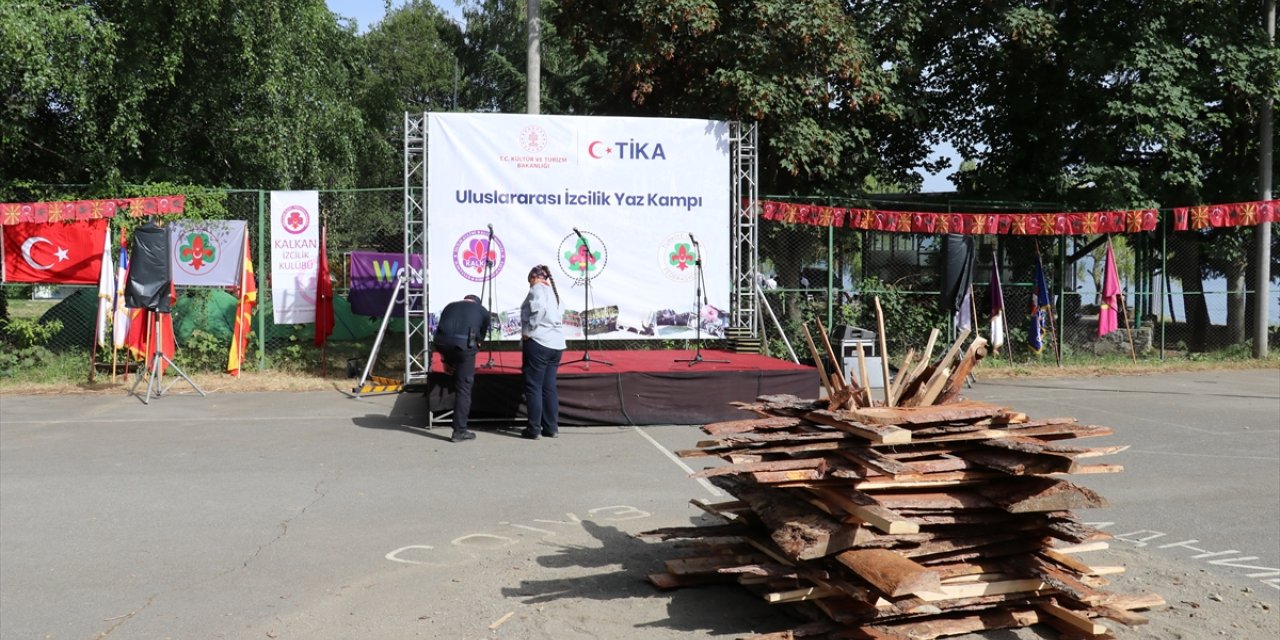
(699, 301)
(487, 282)
(586, 306)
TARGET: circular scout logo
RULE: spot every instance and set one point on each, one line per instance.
(677, 258)
(472, 252)
(198, 251)
(533, 138)
(295, 219)
(582, 260)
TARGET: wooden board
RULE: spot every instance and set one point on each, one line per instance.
(884, 434)
(890, 572)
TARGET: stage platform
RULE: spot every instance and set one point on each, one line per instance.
(637, 388)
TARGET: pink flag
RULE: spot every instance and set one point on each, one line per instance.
(1110, 295)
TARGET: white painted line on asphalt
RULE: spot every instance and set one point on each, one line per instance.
(680, 463)
(186, 420)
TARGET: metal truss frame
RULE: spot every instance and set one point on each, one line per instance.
(416, 288)
(745, 243)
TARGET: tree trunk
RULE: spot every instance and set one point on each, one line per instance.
(1236, 311)
(1186, 267)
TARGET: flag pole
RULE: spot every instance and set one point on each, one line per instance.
(1053, 331)
(1124, 311)
(93, 355)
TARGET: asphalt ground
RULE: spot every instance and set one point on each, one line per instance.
(315, 515)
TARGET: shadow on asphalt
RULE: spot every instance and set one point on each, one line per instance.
(398, 423)
(625, 562)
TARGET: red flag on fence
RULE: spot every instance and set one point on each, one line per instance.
(54, 253)
(324, 295)
(247, 296)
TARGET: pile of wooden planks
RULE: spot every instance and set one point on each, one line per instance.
(934, 518)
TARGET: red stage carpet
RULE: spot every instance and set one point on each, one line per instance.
(638, 387)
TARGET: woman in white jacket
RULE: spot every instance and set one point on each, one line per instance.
(542, 343)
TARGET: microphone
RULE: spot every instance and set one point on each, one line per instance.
(692, 239)
(490, 228)
(575, 230)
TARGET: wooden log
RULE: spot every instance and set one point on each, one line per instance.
(731, 510)
(955, 384)
(1073, 619)
(1069, 585)
(884, 434)
(903, 371)
(827, 383)
(862, 369)
(929, 629)
(771, 423)
(1036, 494)
(891, 573)
(800, 531)
(979, 589)
(961, 411)
(817, 464)
(919, 374)
(934, 500)
(793, 475)
(884, 352)
(1019, 463)
(875, 461)
(866, 510)
(1058, 431)
(1126, 618)
(707, 564)
(797, 595)
(938, 373)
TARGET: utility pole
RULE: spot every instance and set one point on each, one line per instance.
(533, 71)
(1262, 232)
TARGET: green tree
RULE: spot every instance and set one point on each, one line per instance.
(203, 91)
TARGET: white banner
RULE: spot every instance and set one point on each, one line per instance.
(295, 255)
(631, 204)
(206, 253)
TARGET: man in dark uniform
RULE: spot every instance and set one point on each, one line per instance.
(463, 324)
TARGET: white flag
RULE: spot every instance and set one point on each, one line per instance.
(106, 288)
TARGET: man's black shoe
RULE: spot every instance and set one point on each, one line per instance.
(551, 434)
(463, 436)
(528, 435)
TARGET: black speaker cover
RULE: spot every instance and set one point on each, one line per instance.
(958, 256)
(149, 270)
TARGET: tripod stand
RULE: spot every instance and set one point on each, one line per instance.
(699, 301)
(155, 367)
(489, 306)
(586, 307)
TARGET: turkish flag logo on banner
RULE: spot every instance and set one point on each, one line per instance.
(54, 252)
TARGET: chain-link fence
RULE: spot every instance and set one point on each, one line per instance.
(1185, 292)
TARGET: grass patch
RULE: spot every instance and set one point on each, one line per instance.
(30, 308)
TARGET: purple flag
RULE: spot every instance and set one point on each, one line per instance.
(373, 279)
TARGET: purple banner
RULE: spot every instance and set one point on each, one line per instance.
(373, 279)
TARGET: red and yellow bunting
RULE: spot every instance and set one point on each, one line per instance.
(1029, 224)
(1239, 214)
(1021, 224)
(23, 212)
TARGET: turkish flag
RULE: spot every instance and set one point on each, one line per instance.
(54, 252)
